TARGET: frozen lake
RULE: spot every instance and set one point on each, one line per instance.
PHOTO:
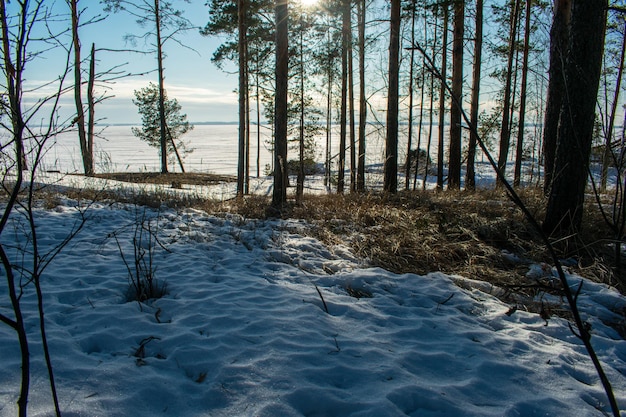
(214, 151)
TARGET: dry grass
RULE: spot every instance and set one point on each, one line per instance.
(424, 232)
(453, 232)
(174, 180)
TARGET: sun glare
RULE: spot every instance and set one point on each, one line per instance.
(308, 3)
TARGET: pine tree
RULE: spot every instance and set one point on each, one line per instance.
(148, 102)
(391, 143)
(582, 76)
(164, 22)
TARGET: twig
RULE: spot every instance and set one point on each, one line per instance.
(338, 349)
(444, 301)
(322, 298)
(141, 350)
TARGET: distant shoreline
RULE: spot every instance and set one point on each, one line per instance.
(235, 123)
(193, 123)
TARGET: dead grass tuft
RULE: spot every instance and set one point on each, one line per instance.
(420, 232)
(470, 234)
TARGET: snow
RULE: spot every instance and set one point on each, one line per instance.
(243, 329)
(261, 320)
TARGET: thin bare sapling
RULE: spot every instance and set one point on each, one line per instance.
(143, 283)
(29, 125)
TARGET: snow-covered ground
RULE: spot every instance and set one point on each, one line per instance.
(243, 329)
(260, 320)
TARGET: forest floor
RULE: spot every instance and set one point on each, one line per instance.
(359, 304)
(480, 234)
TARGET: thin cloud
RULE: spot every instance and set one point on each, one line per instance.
(124, 89)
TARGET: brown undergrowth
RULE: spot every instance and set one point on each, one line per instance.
(175, 180)
(482, 236)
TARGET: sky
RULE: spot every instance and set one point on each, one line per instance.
(205, 92)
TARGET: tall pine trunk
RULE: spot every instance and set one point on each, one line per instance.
(91, 104)
(407, 167)
(582, 75)
(559, 39)
(300, 178)
(421, 119)
(505, 130)
(351, 112)
(279, 197)
(454, 160)
(431, 107)
(345, 45)
(246, 188)
(258, 121)
(442, 95)
(522, 106)
(162, 122)
(243, 125)
(391, 143)
(470, 181)
(329, 114)
(360, 176)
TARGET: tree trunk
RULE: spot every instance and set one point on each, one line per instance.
(345, 44)
(80, 113)
(407, 167)
(391, 143)
(470, 180)
(329, 116)
(582, 76)
(246, 187)
(431, 113)
(522, 105)
(91, 104)
(241, 159)
(505, 130)
(360, 177)
(279, 197)
(300, 179)
(351, 113)
(421, 122)
(162, 122)
(258, 123)
(608, 156)
(454, 161)
(559, 40)
(431, 108)
(13, 72)
(442, 96)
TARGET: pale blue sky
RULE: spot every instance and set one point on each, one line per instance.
(204, 91)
